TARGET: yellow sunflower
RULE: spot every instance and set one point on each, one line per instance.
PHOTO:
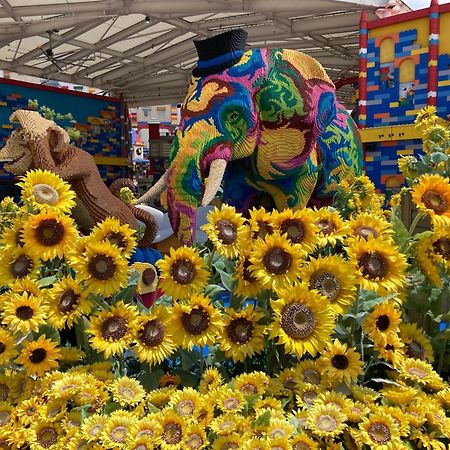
(407, 165)
(390, 349)
(275, 262)
(331, 227)
(242, 336)
(196, 323)
(39, 356)
(127, 391)
(117, 234)
(7, 347)
(357, 412)
(424, 253)
(302, 322)
(211, 380)
(417, 371)
(103, 269)
(310, 372)
(252, 383)
(440, 246)
(303, 442)
(187, 403)
(142, 443)
(111, 331)
(367, 225)
(11, 237)
(383, 322)
(183, 273)
(67, 302)
(336, 399)
(161, 397)
(261, 223)
(45, 190)
(153, 337)
(45, 435)
(247, 284)
(326, 421)
(434, 135)
(173, 431)
(332, 277)
(225, 229)
(380, 432)
(148, 427)
(229, 400)
(28, 410)
(116, 433)
(417, 343)
(24, 313)
(380, 265)
(432, 196)
(15, 265)
(341, 363)
(307, 395)
(299, 228)
(228, 442)
(48, 235)
(425, 116)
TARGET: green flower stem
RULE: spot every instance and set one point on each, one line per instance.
(202, 361)
(413, 226)
(354, 322)
(442, 355)
(121, 368)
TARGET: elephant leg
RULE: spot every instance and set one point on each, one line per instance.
(340, 155)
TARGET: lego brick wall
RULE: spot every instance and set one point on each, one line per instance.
(98, 120)
(397, 86)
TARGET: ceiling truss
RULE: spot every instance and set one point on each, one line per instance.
(143, 49)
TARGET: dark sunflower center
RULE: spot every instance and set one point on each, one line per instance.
(389, 347)
(183, 271)
(2, 347)
(194, 441)
(240, 330)
(298, 321)
(185, 408)
(264, 229)
(365, 232)
(114, 328)
(24, 312)
(383, 322)
(326, 226)
(37, 355)
(309, 397)
(21, 266)
(152, 334)
(326, 283)
(227, 232)
(102, 267)
(340, 362)
(379, 432)
(148, 276)
(311, 376)
(277, 261)
(47, 436)
(294, 229)
(442, 247)
(118, 433)
(374, 265)
(172, 433)
(49, 232)
(195, 322)
(289, 383)
(326, 423)
(68, 301)
(247, 274)
(301, 446)
(435, 201)
(249, 388)
(415, 350)
(117, 239)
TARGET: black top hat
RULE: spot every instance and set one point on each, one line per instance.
(219, 52)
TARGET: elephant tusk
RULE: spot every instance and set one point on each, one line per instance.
(155, 190)
(216, 172)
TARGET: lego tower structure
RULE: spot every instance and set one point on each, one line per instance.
(404, 66)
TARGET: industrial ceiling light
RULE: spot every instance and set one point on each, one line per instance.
(147, 19)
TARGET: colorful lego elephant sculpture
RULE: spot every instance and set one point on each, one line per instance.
(265, 123)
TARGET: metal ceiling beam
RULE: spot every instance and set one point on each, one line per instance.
(64, 39)
(166, 37)
(175, 8)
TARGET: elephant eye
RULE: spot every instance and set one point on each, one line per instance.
(234, 116)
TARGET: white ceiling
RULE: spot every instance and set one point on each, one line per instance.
(143, 48)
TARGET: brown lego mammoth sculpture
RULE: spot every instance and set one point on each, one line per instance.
(39, 143)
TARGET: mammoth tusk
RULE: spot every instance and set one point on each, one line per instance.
(155, 190)
(216, 172)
